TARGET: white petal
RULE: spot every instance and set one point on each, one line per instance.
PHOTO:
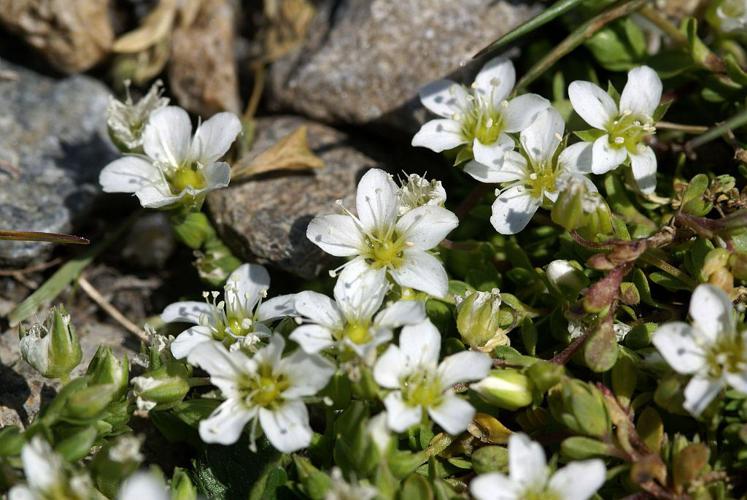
(453, 414)
(513, 209)
(167, 135)
(307, 374)
(737, 380)
(444, 97)
(494, 486)
(642, 93)
(21, 492)
(526, 461)
(277, 307)
(272, 352)
(141, 486)
(511, 167)
(604, 157)
(217, 176)
(389, 368)
(577, 157)
(41, 464)
(677, 344)
(336, 234)
(376, 200)
(312, 338)
(464, 366)
(186, 341)
(402, 312)
(422, 271)
(420, 345)
(712, 312)
(287, 427)
(542, 137)
(214, 137)
(644, 169)
(427, 226)
(492, 155)
(186, 312)
(578, 480)
(319, 309)
(128, 175)
(246, 285)
(215, 359)
(226, 423)
(523, 110)
(496, 79)
(401, 416)
(439, 135)
(158, 195)
(699, 393)
(592, 104)
(360, 291)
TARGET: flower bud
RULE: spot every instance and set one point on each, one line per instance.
(192, 229)
(182, 487)
(478, 320)
(52, 347)
(508, 389)
(566, 278)
(315, 483)
(490, 459)
(545, 375)
(89, 402)
(115, 461)
(126, 119)
(417, 191)
(568, 210)
(580, 407)
(161, 389)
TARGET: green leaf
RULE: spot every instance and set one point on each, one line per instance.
(590, 135)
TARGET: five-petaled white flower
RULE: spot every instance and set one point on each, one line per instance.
(176, 168)
(351, 320)
(481, 117)
(266, 388)
(713, 350)
(239, 321)
(420, 384)
(624, 128)
(536, 177)
(529, 477)
(382, 239)
(46, 477)
(416, 191)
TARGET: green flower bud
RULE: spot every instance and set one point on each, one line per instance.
(508, 389)
(192, 229)
(161, 389)
(580, 407)
(490, 459)
(181, 486)
(52, 347)
(566, 278)
(478, 320)
(106, 369)
(89, 402)
(545, 375)
(579, 209)
(315, 483)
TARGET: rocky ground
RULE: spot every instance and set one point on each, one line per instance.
(352, 79)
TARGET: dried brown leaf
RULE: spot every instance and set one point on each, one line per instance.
(155, 27)
(289, 21)
(289, 153)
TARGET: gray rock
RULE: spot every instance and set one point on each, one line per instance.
(264, 219)
(364, 60)
(53, 143)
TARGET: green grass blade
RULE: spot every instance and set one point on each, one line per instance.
(555, 10)
(65, 275)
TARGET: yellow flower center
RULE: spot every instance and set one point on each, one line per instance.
(727, 355)
(628, 131)
(385, 250)
(265, 389)
(186, 176)
(358, 333)
(543, 179)
(422, 388)
(482, 122)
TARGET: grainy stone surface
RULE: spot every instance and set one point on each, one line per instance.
(364, 60)
(265, 219)
(53, 143)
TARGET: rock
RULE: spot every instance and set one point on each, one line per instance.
(364, 60)
(202, 68)
(25, 391)
(53, 143)
(73, 35)
(264, 219)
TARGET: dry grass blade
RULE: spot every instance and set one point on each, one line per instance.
(66, 239)
(155, 27)
(112, 311)
(289, 153)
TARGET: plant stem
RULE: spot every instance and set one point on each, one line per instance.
(734, 122)
(579, 36)
(689, 129)
(664, 25)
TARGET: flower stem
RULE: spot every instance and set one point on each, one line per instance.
(664, 25)
(734, 122)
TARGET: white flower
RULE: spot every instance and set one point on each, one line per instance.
(127, 119)
(126, 449)
(46, 477)
(480, 117)
(143, 486)
(343, 490)
(732, 15)
(176, 167)
(417, 191)
(351, 320)
(236, 320)
(420, 384)
(265, 388)
(382, 239)
(529, 476)
(713, 350)
(624, 127)
(535, 178)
